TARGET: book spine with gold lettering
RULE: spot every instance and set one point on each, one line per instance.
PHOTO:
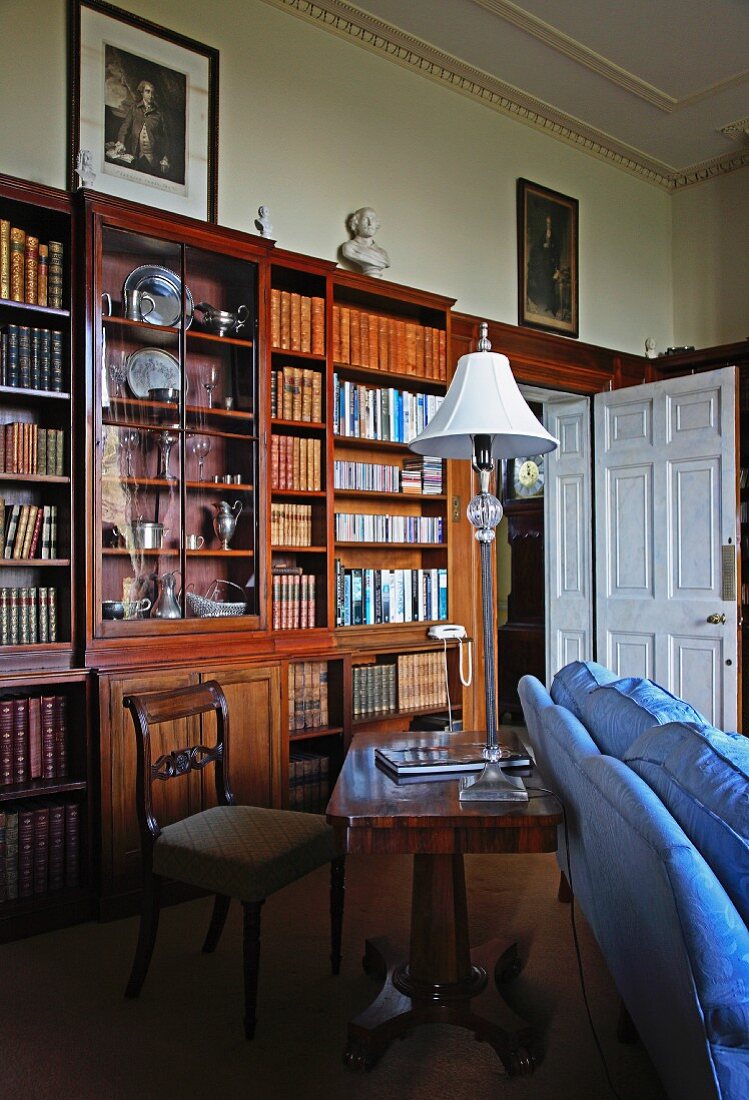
(55, 276)
(4, 258)
(17, 263)
(32, 269)
(42, 276)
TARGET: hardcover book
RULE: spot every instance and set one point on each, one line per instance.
(449, 759)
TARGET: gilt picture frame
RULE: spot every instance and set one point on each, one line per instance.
(548, 296)
(144, 108)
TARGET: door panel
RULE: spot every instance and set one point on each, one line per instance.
(568, 502)
(666, 508)
(253, 696)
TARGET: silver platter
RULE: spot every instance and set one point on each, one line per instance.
(166, 290)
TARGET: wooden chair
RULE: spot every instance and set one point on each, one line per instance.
(243, 852)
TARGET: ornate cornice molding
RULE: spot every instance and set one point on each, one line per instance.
(346, 21)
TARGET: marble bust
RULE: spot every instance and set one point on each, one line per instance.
(650, 351)
(362, 249)
(263, 223)
(84, 168)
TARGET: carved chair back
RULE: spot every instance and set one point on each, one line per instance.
(171, 706)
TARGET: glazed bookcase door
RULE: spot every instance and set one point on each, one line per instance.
(176, 495)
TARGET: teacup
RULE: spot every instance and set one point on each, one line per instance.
(194, 542)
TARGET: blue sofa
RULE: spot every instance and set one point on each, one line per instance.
(656, 851)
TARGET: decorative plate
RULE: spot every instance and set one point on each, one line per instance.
(166, 290)
(151, 369)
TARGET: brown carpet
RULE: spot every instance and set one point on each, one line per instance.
(66, 1030)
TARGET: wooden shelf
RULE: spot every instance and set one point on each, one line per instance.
(376, 494)
(37, 395)
(11, 563)
(34, 310)
(298, 549)
(307, 735)
(174, 552)
(378, 444)
(319, 494)
(311, 425)
(308, 355)
(356, 545)
(36, 479)
(34, 788)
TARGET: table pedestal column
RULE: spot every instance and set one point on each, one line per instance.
(441, 978)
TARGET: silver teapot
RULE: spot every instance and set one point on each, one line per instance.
(225, 520)
(223, 321)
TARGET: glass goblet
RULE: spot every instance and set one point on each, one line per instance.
(210, 381)
(129, 442)
(200, 445)
(118, 373)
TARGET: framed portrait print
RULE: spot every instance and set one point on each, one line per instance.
(547, 259)
(145, 110)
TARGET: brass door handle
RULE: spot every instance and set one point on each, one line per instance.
(716, 618)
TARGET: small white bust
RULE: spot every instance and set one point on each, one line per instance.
(362, 250)
(84, 168)
(262, 222)
(650, 352)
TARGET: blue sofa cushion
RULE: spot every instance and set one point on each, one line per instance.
(617, 713)
(702, 776)
(575, 680)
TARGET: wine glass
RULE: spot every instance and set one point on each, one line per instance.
(210, 381)
(129, 442)
(167, 440)
(200, 445)
(118, 372)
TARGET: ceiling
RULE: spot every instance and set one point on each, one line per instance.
(658, 87)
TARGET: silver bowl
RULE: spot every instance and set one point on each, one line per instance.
(169, 394)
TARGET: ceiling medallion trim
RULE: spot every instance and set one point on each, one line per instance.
(341, 18)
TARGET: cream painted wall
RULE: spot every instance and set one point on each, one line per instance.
(711, 261)
(315, 127)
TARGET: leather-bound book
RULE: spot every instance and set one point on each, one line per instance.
(41, 848)
(72, 845)
(275, 318)
(35, 544)
(47, 706)
(11, 853)
(6, 742)
(25, 851)
(3, 885)
(24, 358)
(56, 850)
(17, 263)
(285, 332)
(55, 276)
(4, 258)
(31, 269)
(373, 337)
(42, 279)
(61, 735)
(318, 326)
(20, 739)
(305, 342)
(35, 737)
(295, 321)
(34, 510)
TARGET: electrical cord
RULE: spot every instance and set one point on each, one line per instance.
(576, 941)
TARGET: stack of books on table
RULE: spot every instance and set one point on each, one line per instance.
(445, 760)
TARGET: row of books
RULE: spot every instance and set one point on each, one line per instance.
(422, 475)
(373, 689)
(291, 524)
(308, 695)
(365, 339)
(28, 616)
(39, 848)
(297, 322)
(28, 531)
(27, 448)
(309, 781)
(363, 527)
(31, 358)
(296, 394)
(375, 477)
(370, 596)
(295, 463)
(30, 271)
(421, 680)
(293, 601)
(380, 413)
(33, 738)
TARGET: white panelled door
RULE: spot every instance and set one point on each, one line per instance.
(568, 534)
(666, 527)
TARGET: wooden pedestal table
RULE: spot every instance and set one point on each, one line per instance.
(442, 981)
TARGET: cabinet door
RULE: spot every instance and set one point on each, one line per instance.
(254, 699)
(172, 800)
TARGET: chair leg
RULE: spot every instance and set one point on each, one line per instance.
(149, 925)
(218, 919)
(337, 895)
(251, 953)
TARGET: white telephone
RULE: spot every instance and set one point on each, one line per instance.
(447, 632)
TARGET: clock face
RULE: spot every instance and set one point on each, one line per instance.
(528, 476)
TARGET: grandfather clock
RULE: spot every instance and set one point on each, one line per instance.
(521, 640)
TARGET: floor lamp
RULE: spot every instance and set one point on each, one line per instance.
(484, 417)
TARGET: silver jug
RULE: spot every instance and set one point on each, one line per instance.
(166, 605)
(225, 520)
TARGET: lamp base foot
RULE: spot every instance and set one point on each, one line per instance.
(492, 784)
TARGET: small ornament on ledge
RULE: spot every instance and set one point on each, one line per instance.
(84, 168)
(650, 352)
(362, 250)
(263, 223)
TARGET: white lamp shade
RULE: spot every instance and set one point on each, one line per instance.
(483, 399)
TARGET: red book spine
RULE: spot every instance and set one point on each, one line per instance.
(41, 849)
(6, 742)
(56, 859)
(25, 852)
(20, 740)
(48, 737)
(34, 544)
(61, 735)
(72, 845)
(35, 737)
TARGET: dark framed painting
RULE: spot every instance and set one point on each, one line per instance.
(547, 259)
(144, 105)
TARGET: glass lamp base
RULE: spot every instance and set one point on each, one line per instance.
(492, 784)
